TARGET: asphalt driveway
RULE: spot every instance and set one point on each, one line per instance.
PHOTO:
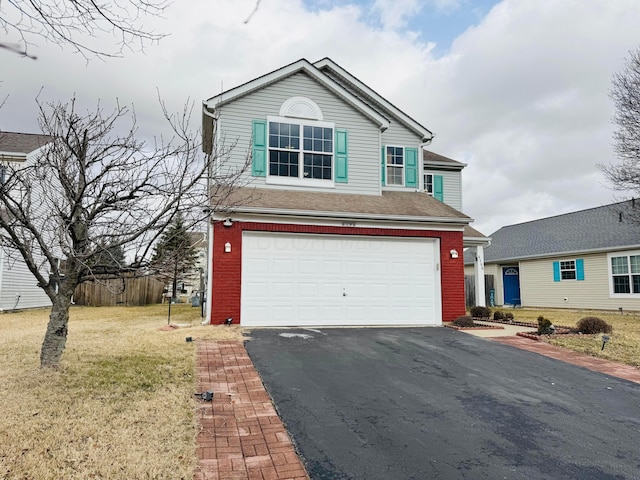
(433, 403)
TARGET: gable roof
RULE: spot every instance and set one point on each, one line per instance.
(377, 101)
(13, 144)
(330, 75)
(599, 229)
(391, 205)
(301, 65)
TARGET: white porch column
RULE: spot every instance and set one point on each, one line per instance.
(479, 271)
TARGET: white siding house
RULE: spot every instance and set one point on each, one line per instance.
(18, 286)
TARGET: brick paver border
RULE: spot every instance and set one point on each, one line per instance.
(241, 436)
(615, 369)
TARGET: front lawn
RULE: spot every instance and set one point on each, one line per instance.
(121, 404)
(623, 347)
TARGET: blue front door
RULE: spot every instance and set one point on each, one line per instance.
(511, 282)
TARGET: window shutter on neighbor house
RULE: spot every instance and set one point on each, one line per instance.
(438, 189)
(259, 150)
(411, 167)
(579, 269)
(556, 271)
(342, 171)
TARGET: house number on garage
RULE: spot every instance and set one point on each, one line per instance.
(348, 224)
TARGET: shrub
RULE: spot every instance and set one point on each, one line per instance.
(589, 325)
(498, 315)
(508, 316)
(544, 326)
(464, 322)
(480, 312)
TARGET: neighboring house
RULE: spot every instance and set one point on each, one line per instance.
(193, 281)
(18, 286)
(586, 259)
(346, 220)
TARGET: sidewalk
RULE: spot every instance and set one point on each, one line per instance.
(241, 436)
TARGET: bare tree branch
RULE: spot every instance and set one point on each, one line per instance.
(77, 22)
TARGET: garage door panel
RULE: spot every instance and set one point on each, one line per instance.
(301, 279)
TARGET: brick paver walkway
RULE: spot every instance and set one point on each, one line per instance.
(595, 364)
(241, 437)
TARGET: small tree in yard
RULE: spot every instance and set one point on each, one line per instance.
(93, 193)
(174, 255)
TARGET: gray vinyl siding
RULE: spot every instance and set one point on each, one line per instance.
(18, 287)
(363, 135)
(451, 186)
(538, 289)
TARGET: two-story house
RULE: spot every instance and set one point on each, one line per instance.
(345, 219)
(18, 286)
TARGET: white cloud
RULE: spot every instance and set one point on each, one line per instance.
(521, 97)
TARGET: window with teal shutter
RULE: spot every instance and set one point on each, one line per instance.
(568, 270)
(259, 150)
(438, 188)
(411, 167)
(341, 156)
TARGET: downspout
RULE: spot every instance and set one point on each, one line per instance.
(209, 286)
(426, 142)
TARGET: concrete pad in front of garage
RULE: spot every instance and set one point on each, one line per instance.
(418, 403)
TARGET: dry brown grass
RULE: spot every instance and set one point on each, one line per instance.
(121, 405)
(623, 347)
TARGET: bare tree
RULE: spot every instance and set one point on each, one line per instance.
(92, 190)
(77, 22)
(625, 93)
(624, 176)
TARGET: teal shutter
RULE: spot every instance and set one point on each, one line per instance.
(438, 193)
(384, 170)
(556, 271)
(259, 151)
(341, 156)
(411, 167)
(579, 269)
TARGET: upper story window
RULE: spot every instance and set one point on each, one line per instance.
(625, 273)
(300, 150)
(428, 183)
(395, 166)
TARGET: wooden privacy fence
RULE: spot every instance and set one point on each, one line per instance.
(119, 291)
(470, 290)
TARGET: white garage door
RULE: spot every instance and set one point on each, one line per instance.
(301, 279)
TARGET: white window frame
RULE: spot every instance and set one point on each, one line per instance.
(564, 263)
(387, 165)
(426, 182)
(301, 180)
(629, 274)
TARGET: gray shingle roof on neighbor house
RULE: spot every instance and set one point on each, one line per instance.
(431, 158)
(12, 142)
(389, 205)
(610, 227)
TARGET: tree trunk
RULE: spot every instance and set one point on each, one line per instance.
(56, 337)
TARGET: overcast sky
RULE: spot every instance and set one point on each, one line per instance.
(515, 89)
